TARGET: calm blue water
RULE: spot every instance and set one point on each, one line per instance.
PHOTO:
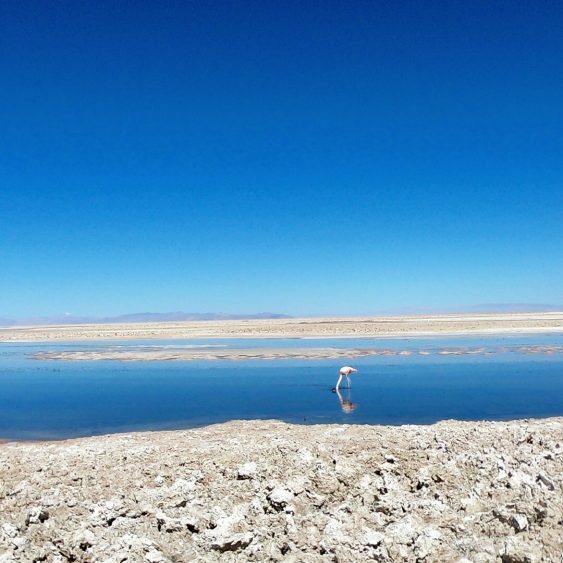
(56, 399)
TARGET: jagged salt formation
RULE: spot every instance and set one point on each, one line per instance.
(269, 491)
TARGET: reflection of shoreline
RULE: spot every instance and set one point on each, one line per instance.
(167, 353)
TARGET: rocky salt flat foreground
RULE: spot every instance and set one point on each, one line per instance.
(269, 491)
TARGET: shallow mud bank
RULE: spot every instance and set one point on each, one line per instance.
(168, 353)
(269, 491)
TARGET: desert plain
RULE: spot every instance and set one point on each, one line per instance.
(330, 327)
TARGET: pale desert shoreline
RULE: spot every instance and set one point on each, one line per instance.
(335, 327)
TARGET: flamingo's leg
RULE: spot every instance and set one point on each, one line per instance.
(338, 382)
(349, 382)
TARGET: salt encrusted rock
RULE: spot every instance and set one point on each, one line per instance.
(518, 551)
(519, 522)
(155, 556)
(544, 480)
(10, 530)
(257, 491)
(280, 498)
(37, 515)
(247, 471)
(372, 538)
(232, 542)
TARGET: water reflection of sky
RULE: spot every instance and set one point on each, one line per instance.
(62, 398)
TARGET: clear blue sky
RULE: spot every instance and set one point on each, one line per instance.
(299, 157)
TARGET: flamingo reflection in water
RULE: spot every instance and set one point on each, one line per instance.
(346, 404)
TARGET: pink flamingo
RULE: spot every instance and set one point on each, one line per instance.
(345, 371)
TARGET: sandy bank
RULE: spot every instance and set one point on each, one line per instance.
(168, 353)
(264, 490)
(297, 328)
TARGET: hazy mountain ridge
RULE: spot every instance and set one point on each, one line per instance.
(178, 316)
(485, 308)
(137, 318)
(513, 308)
(181, 316)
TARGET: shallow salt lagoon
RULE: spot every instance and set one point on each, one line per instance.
(60, 399)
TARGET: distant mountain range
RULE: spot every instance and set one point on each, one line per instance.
(476, 309)
(512, 308)
(181, 316)
(136, 318)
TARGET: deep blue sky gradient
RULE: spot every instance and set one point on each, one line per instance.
(302, 157)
